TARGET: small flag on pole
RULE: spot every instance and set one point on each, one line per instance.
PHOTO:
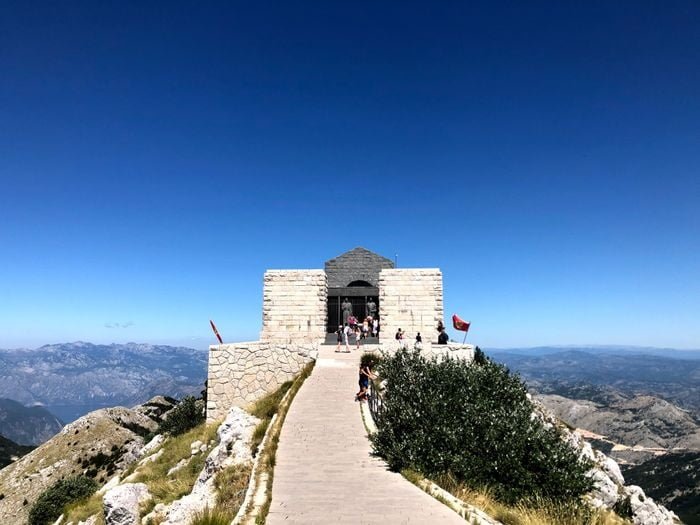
(460, 324)
(216, 332)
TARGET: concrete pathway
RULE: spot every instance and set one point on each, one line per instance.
(324, 472)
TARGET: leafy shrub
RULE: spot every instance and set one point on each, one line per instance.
(473, 423)
(186, 415)
(480, 357)
(369, 357)
(50, 504)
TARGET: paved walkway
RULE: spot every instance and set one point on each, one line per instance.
(324, 472)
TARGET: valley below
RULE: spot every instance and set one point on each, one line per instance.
(641, 409)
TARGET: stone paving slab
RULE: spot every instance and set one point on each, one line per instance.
(324, 470)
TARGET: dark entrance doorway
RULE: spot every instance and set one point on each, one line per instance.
(357, 300)
(353, 275)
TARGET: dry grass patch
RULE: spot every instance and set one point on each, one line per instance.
(83, 509)
(231, 485)
(212, 517)
(264, 408)
(164, 488)
(535, 512)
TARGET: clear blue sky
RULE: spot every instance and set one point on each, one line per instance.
(155, 160)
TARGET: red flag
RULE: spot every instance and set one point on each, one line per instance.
(460, 324)
(213, 327)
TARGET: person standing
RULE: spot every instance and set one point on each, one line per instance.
(443, 338)
(346, 337)
(365, 375)
(399, 337)
(419, 342)
(339, 337)
(375, 328)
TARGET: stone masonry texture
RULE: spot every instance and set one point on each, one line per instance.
(241, 373)
(358, 264)
(410, 299)
(294, 305)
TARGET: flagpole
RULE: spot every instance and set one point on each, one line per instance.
(465, 338)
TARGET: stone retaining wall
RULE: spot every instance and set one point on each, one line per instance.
(410, 299)
(241, 373)
(294, 305)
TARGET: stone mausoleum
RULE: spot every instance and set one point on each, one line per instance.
(300, 307)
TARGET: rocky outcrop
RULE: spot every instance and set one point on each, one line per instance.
(610, 491)
(235, 435)
(100, 445)
(122, 503)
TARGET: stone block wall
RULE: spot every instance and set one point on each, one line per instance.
(241, 373)
(294, 305)
(410, 299)
(358, 264)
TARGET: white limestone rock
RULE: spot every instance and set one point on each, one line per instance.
(109, 485)
(153, 444)
(609, 488)
(606, 491)
(645, 511)
(121, 504)
(180, 464)
(151, 458)
(235, 435)
(195, 447)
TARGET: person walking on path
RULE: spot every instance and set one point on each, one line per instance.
(357, 336)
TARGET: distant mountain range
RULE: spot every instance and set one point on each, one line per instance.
(27, 425)
(641, 406)
(73, 379)
(673, 353)
(630, 370)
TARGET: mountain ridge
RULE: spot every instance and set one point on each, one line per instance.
(79, 377)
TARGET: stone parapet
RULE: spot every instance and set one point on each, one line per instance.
(453, 350)
(241, 373)
(410, 299)
(294, 306)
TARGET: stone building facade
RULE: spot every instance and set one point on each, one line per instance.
(301, 306)
(294, 305)
(410, 299)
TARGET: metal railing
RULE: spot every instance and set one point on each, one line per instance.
(375, 402)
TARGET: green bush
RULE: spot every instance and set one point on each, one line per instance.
(49, 505)
(370, 358)
(475, 423)
(186, 415)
